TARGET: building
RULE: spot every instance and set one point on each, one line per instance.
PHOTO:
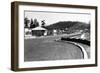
(39, 31)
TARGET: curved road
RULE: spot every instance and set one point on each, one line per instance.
(48, 49)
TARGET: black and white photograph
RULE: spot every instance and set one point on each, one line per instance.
(56, 35)
(52, 36)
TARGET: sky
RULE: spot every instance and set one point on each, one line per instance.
(53, 17)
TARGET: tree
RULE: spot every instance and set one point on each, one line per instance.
(31, 23)
(26, 22)
(34, 23)
(43, 23)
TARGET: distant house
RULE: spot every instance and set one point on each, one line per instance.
(39, 31)
(54, 32)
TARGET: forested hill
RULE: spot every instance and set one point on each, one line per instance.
(70, 25)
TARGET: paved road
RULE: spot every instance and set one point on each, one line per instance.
(47, 49)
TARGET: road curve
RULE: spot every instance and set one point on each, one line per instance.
(85, 55)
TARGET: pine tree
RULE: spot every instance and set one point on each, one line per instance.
(34, 23)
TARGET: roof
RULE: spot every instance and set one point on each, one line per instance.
(39, 28)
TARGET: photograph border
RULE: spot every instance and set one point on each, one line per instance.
(15, 33)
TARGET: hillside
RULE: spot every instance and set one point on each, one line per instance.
(60, 25)
(71, 26)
